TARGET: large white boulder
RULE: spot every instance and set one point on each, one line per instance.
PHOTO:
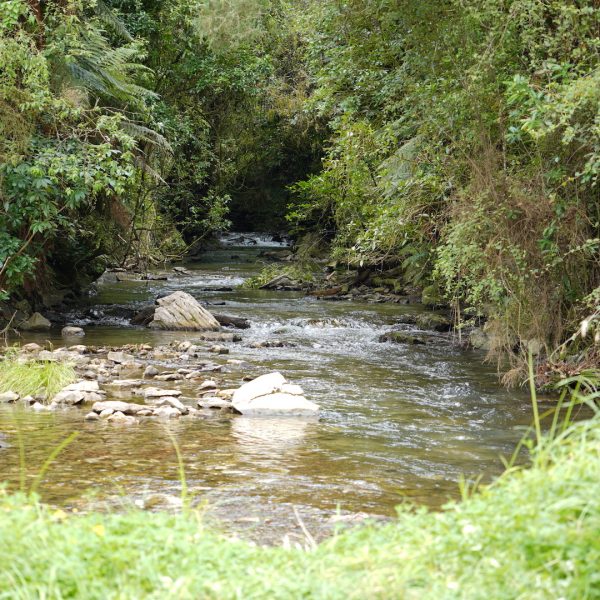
(180, 311)
(271, 394)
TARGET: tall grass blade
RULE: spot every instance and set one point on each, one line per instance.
(181, 470)
(51, 458)
(536, 416)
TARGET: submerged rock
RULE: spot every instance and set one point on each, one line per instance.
(271, 394)
(150, 393)
(181, 311)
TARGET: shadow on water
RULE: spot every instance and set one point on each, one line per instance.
(398, 422)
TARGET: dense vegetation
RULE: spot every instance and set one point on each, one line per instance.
(456, 140)
(532, 534)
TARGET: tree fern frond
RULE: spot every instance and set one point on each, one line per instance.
(112, 21)
(146, 134)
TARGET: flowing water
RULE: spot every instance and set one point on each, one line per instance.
(398, 422)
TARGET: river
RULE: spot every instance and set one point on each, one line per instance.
(398, 423)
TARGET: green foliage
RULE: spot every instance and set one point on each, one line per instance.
(33, 377)
(464, 146)
(63, 151)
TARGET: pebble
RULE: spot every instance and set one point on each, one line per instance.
(151, 371)
(9, 397)
(219, 349)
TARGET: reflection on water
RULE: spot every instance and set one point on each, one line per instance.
(265, 435)
(398, 422)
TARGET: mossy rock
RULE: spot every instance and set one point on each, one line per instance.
(389, 283)
(433, 321)
(400, 337)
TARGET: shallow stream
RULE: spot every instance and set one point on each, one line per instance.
(398, 422)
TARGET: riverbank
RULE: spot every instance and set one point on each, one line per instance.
(532, 534)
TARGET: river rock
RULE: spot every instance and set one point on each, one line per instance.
(9, 397)
(479, 339)
(32, 347)
(271, 394)
(127, 408)
(171, 401)
(219, 350)
(70, 331)
(122, 388)
(119, 417)
(67, 398)
(181, 311)
(120, 357)
(36, 322)
(79, 348)
(169, 377)
(209, 384)
(167, 412)
(400, 337)
(228, 321)
(84, 386)
(81, 391)
(92, 416)
(214, 403)
(151, 371)
(150, 393)
(433, 321)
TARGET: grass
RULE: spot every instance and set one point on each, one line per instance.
(32, 377)
(534, 533)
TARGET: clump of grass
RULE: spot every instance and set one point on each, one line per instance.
(34, 377)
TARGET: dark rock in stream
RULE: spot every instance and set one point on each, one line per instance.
(433, 321)
(400, 337)
(144, 316)
(237, 322)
